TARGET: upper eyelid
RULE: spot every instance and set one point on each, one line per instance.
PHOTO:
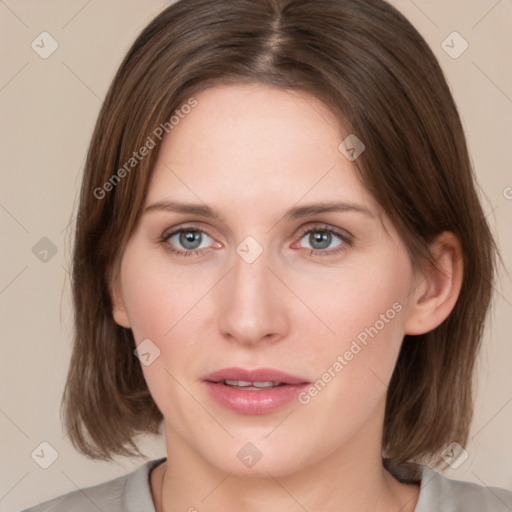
(188, 227)
(325, 227)
(304, 229)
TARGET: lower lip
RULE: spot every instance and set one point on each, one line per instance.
(262, 401)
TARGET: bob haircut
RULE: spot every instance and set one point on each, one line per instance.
(376, 73)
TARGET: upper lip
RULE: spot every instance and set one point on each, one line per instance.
(256, 375)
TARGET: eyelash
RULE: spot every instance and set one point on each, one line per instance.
(345, 238)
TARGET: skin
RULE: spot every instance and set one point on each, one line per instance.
(252, 152)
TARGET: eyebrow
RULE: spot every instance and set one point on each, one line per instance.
(296, 212)
(174, 206)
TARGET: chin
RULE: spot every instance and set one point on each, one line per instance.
(259, 458)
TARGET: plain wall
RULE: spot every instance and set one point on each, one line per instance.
(48, 109)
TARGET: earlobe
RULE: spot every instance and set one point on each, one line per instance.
(119, 312)
(436, 291)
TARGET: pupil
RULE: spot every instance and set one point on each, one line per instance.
(190, 239)
(320, 239)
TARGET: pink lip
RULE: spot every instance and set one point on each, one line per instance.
(261, 401)
(257, 375)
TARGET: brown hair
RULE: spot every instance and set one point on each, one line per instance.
(377, 74)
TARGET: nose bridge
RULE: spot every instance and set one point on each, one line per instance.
(251, 306)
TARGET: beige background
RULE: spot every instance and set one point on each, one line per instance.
(48, 108)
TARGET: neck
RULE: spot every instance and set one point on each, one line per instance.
(350, 479)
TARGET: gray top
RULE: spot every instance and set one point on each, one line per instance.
(132, 493)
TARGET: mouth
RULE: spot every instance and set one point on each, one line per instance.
(251, 386)
(259, 377)
(259, 391)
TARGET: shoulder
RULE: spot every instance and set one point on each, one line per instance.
(438, 492)
(127, 493)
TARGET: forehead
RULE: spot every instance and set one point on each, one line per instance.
(245, 143)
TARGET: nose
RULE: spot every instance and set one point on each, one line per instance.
(252, 304)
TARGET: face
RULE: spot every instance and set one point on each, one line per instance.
(273, 291)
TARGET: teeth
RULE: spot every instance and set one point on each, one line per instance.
(238, 383)
(267, 384)
(246, 384)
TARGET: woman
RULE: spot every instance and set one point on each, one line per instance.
(280, 253)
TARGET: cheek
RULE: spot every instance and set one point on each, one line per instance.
(363, 302)
(168, 307)
(366, 309)
(158, 297)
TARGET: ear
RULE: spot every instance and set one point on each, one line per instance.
(437, 288)
(119, 312)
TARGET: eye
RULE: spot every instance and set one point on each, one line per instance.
(187, 241)
(323, 240)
